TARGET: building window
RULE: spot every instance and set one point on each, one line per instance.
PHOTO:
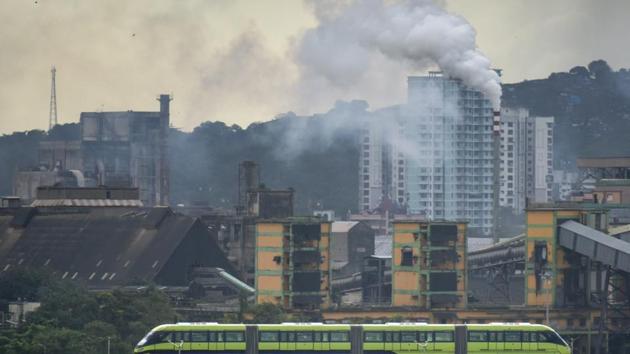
(406, 256)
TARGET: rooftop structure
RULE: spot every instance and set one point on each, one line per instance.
(108, 247)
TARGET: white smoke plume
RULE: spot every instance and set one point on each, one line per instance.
(418, 33)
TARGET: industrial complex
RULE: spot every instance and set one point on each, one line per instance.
(424, 245)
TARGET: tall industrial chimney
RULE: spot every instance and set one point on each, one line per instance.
(248, 179)
(163, 195)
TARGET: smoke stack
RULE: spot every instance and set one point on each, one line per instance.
(248, 179)
(496, 122)
(164, 104)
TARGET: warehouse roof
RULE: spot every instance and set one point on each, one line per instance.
(343, 226)
(101, 246)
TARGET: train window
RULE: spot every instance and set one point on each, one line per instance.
(512, 336)
(325, 336)
(550, 337)
(477, 336)
(525, 337)
(317, 336)
(338, 336)
(396, 337)
(304, 336)
(388, 337)
(373, 336)
(234, 337)
(198, 337)
(408, 337)
(533, 337)
(181, 336)
(269, 336)
(290, 337)
(425, 337)
(495, 336)
(283, 336)
(158, 337)
(443, 336)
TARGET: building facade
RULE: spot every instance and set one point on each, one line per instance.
(114, 149)
(429, 264)
(541, 163)
(433, 157)
(381, 163)
(526, 158)
(293, 263)
(448, 138)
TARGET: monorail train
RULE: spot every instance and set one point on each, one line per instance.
(313, 338)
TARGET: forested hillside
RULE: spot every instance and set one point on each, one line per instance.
(591, 106)
(317, 155)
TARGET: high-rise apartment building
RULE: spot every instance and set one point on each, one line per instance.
(381, 163)
(541, 159)
(434, 155)
(526, 170)
(448, 133)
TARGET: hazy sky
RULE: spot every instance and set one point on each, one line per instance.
(234, 60)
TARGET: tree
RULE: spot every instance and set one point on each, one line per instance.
(73, 320)
(580, 71)
(599, 69)
(268, 313)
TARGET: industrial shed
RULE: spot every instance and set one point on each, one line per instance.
(108, 247)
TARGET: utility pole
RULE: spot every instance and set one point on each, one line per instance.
(52, 115)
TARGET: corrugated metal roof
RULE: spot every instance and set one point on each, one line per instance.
(595, 244)
(343, 226)
(100, 246)
(87, 203)
(596, 236)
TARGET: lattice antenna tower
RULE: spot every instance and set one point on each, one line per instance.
(52, 116)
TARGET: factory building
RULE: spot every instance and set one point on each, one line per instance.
(115, 149)
(350, 243)
(128, 149)
(526, 159)
(293, 263)
(429, 264)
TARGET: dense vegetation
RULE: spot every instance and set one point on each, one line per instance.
(591, 106)
(73, 320)
(317, 155)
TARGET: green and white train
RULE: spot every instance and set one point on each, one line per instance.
(314, 338)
